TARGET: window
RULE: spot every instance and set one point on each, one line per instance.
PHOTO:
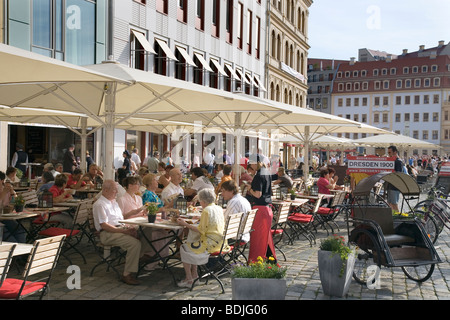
(249, 31)
(340, 87)
(407, 117)
(348, 86)
(416, 99)
(435, 134)
(198, 72)
(355, 73)
(182, 11)
(416, 134)
(436, 82)
(426, 82)
(364, 118)
(363, 73)
(435, 116)
(407, 99)
(385, 117)
(347, 74)
(377, 85)
(407, 83)
(376, 101)
(356, 102)
(398, 100)
(384, 71)
(348, 102)
(240, 17)
(376, 118)
(393, 71)
(415, 69)
(364, 102)
(398, 117)
(200, 15)
(435, 98)
(356, 86)
(417, 83)
(258, 38)
(340, 102)
(405, 70)
(424, 68)
(386, 84)
(434, 68)
(375, 72)
(215, 28)
(365, 85)
(229, 22)
(425, 134)
(385, 101)
(416, 117)
(356, 117)
(426, 99)
(162, 6)
(426, 117)
(160, 65)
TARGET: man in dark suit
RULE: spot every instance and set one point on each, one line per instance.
(69, 161)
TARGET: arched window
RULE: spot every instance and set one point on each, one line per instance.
(272, 91)
(303, 23)
(277, 93)
(278, 47)
(286, 97)
(291, 56)
(302, 64)
(286, 53)
(298, 61)
(299, 19)
(274, 44)
(290, 97)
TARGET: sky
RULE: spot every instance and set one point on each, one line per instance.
(338, 28)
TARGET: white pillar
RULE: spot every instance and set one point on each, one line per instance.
(110, 106)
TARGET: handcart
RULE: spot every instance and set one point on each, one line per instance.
(381, 239)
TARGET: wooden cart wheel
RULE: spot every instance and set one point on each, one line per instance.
(367, 255)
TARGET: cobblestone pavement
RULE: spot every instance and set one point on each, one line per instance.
(302, 280)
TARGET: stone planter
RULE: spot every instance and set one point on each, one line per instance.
(333, 284)
(151, 218)
(258, 289)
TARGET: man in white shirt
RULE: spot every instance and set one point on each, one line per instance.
(236, 202)
(107, 214)
(135, 157)
(208, 159)
(200, 182)
(173, 189)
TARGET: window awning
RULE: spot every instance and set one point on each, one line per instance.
(241, 77)
(143, 41)
(233, 73)
(249, 78)
(219, 67)
(203, 62)
(186, 56)
(260, 85)
(166, 49)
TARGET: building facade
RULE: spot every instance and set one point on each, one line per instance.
(321, 74)
(408, 95)
(288, 51)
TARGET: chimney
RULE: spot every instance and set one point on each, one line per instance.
(405, 51)
(441, 43)
(352, 61)
(421, 47)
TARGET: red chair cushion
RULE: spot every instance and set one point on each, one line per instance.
(54, 231)
(325, 211)
(301, 218)
(10, 288)
(217, 253)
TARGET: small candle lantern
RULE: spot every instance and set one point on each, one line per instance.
(45, 200)
(181, 204)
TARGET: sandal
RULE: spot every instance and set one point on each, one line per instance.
(185, 283)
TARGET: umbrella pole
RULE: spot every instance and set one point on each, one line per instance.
(237, 147)
(306, 157)
(108, 171)
(83, 144)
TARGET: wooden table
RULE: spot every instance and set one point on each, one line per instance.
(173, 229)
(18, 217)
(70, 203)
(87, 193)
(21, 248)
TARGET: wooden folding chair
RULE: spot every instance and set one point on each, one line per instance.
(327, 215)
(73, 235)
(281, 214)
(6, 254)
(246, 226)
(43, 258)
(302, 223)
(220, 260)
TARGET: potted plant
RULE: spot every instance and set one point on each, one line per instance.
(19, 203)
(260, 280)
(292, 193)
(152, 208)
(336, 261)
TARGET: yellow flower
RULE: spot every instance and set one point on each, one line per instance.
(271, 258)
